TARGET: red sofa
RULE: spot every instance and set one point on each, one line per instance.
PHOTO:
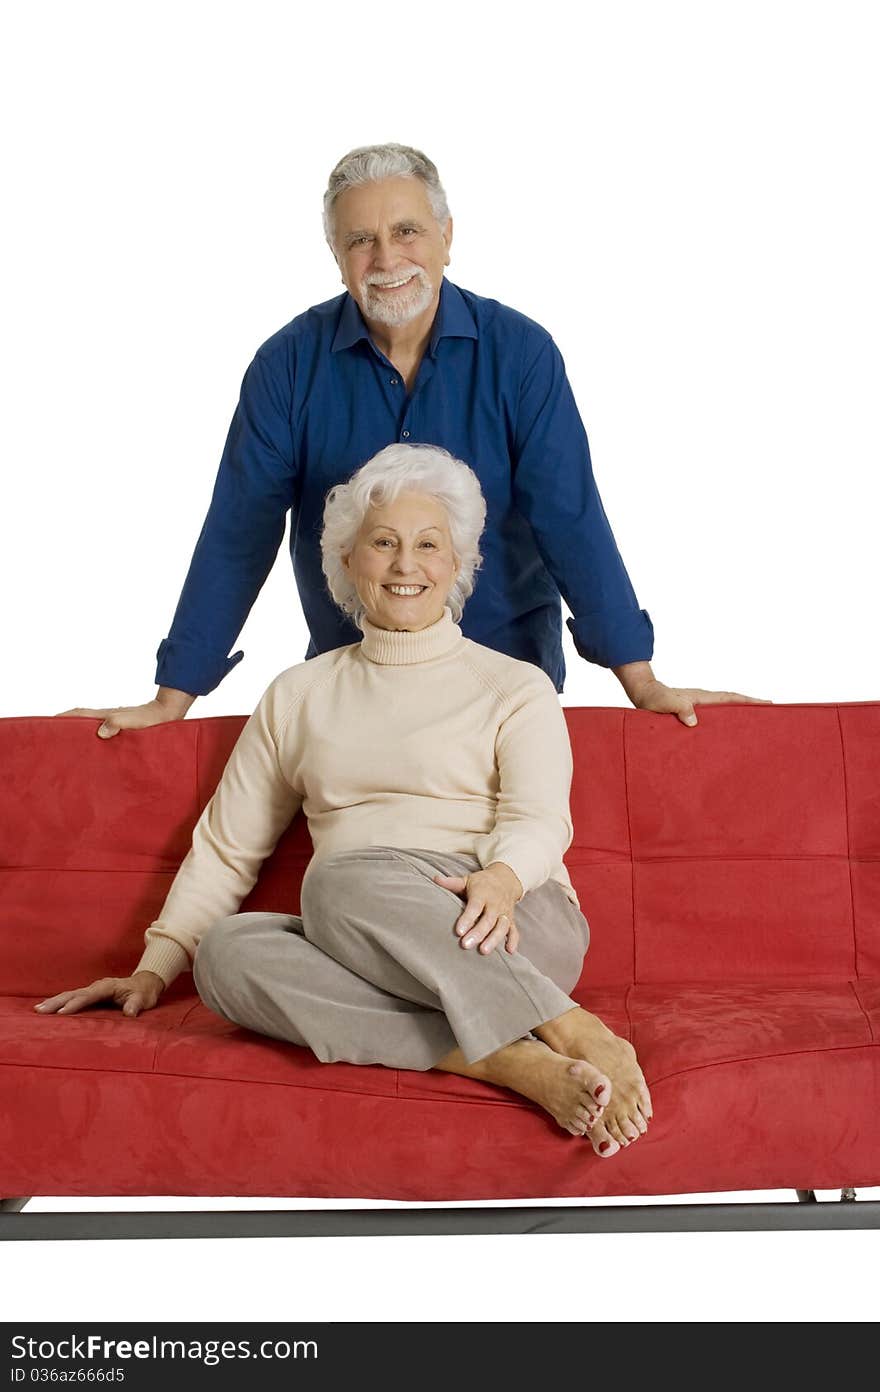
(731, 877)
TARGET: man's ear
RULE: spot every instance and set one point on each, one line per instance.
(335, 258)
(447, 237)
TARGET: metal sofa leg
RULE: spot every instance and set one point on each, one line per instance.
(809, 1195)
(12, 1205)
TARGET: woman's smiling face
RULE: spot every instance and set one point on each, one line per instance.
(402, 563)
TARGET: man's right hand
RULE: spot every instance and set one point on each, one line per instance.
(133, 993)
(167, 704)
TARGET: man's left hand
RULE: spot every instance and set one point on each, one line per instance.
(680, 701)
(491, 894)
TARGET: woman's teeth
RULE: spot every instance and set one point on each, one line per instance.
(405, 589)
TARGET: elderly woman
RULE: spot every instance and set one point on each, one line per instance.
(439, 927)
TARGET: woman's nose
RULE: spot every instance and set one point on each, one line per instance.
(404, 562)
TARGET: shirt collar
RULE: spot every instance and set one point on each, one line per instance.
(452, 320)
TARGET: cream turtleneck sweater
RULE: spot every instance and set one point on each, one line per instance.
(424, 740)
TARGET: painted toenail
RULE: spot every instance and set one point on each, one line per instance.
(604, 1145)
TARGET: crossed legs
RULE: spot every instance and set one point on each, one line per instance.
(371, 972)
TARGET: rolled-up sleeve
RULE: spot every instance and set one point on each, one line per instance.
(555, 491)
(241, 533)
(533, 827)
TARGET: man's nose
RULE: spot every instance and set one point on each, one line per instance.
(384, 253)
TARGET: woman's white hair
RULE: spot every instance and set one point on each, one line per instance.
(372, 162)
(396, 469)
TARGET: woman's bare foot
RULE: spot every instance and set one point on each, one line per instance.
(604, 1143)
(569, 1089)
(580, 1035)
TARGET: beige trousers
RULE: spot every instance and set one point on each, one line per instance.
(372, 971)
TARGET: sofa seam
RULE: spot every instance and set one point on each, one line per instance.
(632, 859)
(585, 864)
(852, 897)
(620, 858)
(391, 1095)
(169, 1028)
(761, 1058)
(189, 1077)
(852, 985)
(266, 1082)
(106, 869)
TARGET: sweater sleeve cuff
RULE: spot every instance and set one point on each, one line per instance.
(165, 957)
(189, 667)
(611, 637)
(529, 869)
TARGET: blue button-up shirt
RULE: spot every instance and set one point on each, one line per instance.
(319, 399)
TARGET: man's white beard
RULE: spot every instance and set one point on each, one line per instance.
(414, 300)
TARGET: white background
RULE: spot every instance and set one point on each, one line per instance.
(685, 196)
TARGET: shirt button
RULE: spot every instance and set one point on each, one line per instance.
(394, 381)
(406, 434)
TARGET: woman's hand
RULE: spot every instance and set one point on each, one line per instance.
(132, 993)
(490, 894)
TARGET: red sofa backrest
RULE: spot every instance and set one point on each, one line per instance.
(745, 848)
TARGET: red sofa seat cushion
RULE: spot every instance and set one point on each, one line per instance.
(753, 1088)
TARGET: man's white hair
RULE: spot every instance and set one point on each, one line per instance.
(395, 469)
(369, 163)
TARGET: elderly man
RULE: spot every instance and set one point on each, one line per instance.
(405, 355)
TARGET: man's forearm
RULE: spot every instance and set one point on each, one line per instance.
(633, 675)
(178, 702)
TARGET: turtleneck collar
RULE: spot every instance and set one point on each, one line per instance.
(393, 647)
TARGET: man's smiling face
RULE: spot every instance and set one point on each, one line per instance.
(385, 233)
